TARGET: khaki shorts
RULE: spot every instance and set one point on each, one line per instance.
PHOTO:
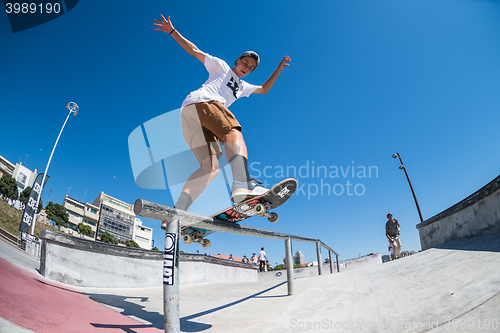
(204, 125)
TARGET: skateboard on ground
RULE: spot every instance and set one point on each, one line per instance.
(260, 205)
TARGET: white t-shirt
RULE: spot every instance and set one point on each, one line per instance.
(223, 85)
(262, 256)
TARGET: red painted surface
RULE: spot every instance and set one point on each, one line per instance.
(30, 301)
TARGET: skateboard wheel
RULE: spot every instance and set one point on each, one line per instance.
(205, 243)
(273, 218)
(187, 239)
(259, 209)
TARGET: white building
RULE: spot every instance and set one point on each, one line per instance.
(23, 176)
(118, 218)
(143, 235)
(6, 167)
(79, 212)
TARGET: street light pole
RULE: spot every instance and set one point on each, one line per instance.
(73, 108)
(411, 187)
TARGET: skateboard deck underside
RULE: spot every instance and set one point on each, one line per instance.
(274, 198)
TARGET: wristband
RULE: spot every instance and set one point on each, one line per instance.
(171, 32)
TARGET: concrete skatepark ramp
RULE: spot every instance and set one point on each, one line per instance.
(452, 288)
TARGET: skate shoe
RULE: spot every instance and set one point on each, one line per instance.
(242, 191)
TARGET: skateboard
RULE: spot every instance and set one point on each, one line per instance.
(260, 205)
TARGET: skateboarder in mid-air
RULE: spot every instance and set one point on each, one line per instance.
(206, 120)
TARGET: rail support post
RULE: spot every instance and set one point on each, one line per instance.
(171, 318)
(318, 252)
(331, 261)
(338, 265)
(289, 265)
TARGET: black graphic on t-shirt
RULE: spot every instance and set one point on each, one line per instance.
(233, 85)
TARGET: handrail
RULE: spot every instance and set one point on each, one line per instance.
(156, 211)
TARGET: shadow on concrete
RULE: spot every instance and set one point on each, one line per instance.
(189, 326)
(129, 309)
(124, 328)
(137, 311)
(488, 243)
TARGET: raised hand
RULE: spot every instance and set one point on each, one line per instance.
(284, 62)
(165, 25)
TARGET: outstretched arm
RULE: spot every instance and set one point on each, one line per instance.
(166, 26)
(270, 82)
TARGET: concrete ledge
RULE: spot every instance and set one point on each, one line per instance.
(476, 215)
(94, 246)
(82, 262)
(188, 257)
(302, 272)
(362, 262)
(347, 265)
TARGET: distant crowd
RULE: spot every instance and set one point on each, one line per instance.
(260, 260)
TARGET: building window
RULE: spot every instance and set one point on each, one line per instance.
(21, 178)
(89, 222)
(93, 211)
(142, 239)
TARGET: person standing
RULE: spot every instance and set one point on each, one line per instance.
(254, 260)
(268, 266)
(262, 260)
(392, 229)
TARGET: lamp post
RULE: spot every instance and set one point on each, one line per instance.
(73, 108)
(402, 167)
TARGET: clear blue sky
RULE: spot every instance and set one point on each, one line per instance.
(367, 79)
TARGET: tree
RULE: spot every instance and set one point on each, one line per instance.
(282, 266)
(106, 237)
(154, 249)
(57, 213)
(84, 229)
(8, 187)
(132, 243)
(24, 196)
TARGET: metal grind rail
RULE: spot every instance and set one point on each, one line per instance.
(179, 219)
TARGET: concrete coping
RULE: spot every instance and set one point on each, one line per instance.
(96, 246)
(485, 191)
(215, 260)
